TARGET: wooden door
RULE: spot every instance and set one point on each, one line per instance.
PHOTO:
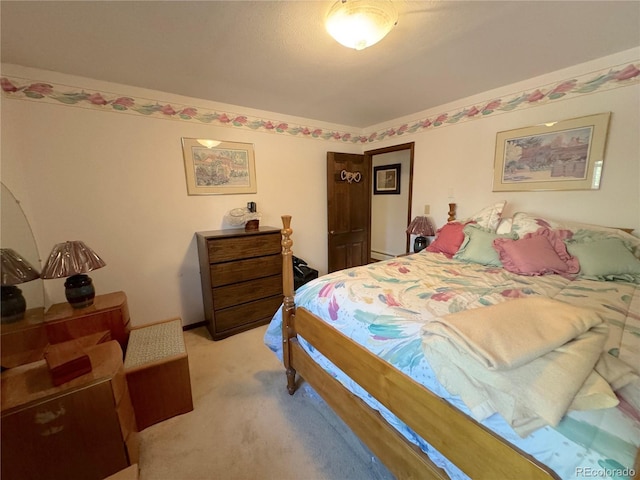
(348, 210)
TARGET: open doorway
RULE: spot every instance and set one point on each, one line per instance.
(390, 207)
(350, 192)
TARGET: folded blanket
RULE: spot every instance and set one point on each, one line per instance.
(513, 333)
(528, 359)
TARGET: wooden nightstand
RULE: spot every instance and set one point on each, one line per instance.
(108, 312)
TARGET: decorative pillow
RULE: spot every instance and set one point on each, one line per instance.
(605, 259)
(448, 239)
(536, 253)
(477, 246)
(488, 217)
(630, 241)
(524, 223)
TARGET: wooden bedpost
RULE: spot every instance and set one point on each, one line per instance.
(288, 306)
(452, 212)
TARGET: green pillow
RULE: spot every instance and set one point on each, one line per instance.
(477, 246)
(607, 259)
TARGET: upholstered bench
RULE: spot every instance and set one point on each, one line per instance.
(157, 370)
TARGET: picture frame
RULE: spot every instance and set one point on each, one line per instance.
(563, 155)
(214, 167)
(386, 179)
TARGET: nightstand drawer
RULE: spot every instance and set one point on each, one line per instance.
(236, 248)
(243, 270)
(247, 313)
(244, 292)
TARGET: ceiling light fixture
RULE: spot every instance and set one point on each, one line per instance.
(361, 23)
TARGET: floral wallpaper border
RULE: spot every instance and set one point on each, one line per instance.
(25, 89)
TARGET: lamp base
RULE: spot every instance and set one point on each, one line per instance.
(419, 244)
(13, 304)
(79, 290)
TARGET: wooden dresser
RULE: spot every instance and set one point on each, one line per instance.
(23, 341)
(241, 276)
(84, 428)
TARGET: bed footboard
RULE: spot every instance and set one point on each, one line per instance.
(470, 446)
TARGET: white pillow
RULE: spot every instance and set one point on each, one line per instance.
(489, 217)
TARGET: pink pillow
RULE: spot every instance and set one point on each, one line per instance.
(448, 239)
(537, 253)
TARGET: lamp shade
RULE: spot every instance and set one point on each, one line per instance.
(74, 260)
(15, 269)
(71, 258)
(359, 24)
(421, 226)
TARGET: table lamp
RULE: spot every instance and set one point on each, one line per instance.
(422, 227)
(72, 260)
(15, 270)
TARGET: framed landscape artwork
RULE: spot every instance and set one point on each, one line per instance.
(215, 167)
(386, 179)
(565, 155)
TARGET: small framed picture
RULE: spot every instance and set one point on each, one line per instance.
(386, 179)
(214, 167)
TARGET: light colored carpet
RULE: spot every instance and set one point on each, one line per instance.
(246, 426)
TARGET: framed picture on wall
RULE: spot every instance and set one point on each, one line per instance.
(386, 179)
(564, 155)
(214, 167)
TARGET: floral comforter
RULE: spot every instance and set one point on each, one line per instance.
(383, 307)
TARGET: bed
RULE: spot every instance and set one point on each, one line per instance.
(361, 338)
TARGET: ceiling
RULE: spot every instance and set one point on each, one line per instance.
(277, 56)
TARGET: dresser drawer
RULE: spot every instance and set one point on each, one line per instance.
(236, 248)
(244, 292)
(247, 313)
(243, 270)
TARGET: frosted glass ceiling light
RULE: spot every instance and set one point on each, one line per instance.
(360, 23)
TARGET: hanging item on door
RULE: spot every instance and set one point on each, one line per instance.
(350, 176)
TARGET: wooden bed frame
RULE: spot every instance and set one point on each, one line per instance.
(473, 448)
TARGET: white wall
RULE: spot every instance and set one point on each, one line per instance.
(455, 162)
(117, 181)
